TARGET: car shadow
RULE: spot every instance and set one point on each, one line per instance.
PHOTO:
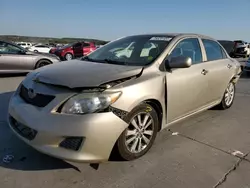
(25, 157)
(8, 75)
(245, 75)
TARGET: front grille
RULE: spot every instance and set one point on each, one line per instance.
(39, 100)
(22, 129)
(72, 143)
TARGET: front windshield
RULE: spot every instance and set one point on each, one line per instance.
(134, 50)
(68, 45)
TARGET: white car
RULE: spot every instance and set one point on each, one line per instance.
(24, 44)
(40, 48)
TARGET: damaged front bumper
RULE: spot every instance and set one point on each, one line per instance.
(80, 138)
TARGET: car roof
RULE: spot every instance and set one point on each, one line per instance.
(173, 35)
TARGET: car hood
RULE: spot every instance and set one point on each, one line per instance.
(80, 74)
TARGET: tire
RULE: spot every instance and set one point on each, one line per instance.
(42, 63)
(35, 50)
(124, 146)
(230, 91)
(248, 73)
(68, 56)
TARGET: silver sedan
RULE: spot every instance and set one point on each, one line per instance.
(118, 100)
(15, 59)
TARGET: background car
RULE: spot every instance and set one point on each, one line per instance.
(241, 49)
(24, 44)
(40, 48)
(74, 50)
(15, 59)
(228, 46)
(247, 67)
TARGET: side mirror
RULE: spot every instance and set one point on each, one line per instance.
(179, 62)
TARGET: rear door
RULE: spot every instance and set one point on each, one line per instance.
(219, 68)
(187, 88)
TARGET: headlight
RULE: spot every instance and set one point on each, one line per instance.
(89, 102)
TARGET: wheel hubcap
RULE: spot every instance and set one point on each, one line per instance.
(68, 57)
(229, 95)
(42, 64)
(139, 132)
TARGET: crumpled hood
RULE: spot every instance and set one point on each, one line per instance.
(78, 73)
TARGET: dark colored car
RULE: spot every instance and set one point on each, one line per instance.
(74, 50)
(228, 45)
(15, 59)
(241, 49)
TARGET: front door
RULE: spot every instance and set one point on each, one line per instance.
(187, 88)
(78, 49)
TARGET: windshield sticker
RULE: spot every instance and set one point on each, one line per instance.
(161, 38)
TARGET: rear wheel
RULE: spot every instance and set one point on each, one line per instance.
(35, 50)
(228, 97)
(138, 138)
(42, 63)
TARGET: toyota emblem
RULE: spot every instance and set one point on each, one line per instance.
(31, 93)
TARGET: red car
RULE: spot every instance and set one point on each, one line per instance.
(74, 50)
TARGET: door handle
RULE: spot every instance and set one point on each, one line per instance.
(229, 66)
(204, 71)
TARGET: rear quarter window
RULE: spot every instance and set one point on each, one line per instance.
(213, 50)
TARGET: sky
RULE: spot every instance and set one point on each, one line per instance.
(111, 19)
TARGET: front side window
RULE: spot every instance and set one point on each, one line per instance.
(133, 50)
(6, 48)
(78, 45)
(188, 48)
(213, 50)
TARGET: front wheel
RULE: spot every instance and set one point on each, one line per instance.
(139, 136)
(42, 63)
(228, 97)
(68, 56)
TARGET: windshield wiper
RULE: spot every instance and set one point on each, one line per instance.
(88, 59)
(110, 61)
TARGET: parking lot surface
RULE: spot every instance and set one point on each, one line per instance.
(210, 150)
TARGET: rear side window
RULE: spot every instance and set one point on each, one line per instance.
(213, 50)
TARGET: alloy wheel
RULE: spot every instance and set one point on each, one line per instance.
(139, 133)
(229, 94)
(68, 57)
